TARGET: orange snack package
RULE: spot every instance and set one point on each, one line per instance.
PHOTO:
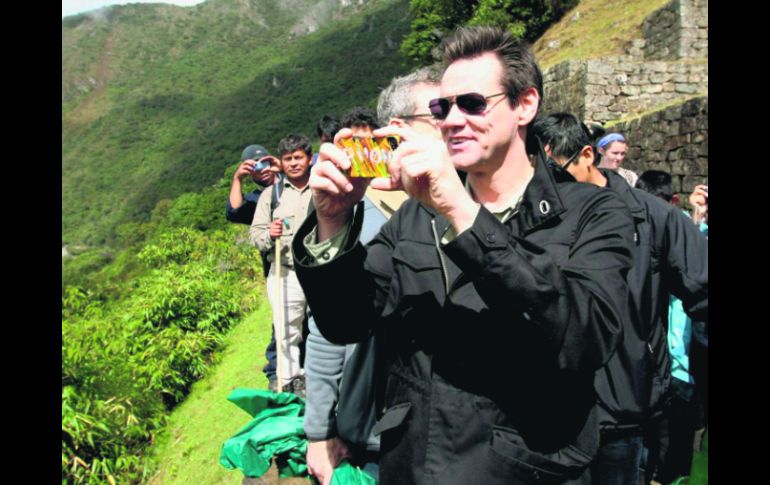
(369, 157)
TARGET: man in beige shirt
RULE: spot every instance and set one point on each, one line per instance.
(271, 223)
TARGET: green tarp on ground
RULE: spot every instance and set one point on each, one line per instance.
(276, 432)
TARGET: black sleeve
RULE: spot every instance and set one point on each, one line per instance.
(243, 214)
(574, 306)
(347, 294)
(686, 272)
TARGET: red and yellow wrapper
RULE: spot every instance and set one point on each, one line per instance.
(369, 157)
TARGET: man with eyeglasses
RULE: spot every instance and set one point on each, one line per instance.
(670, 258)
(493, 302)
(339, 410)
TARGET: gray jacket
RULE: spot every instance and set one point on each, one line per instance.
(333, 371)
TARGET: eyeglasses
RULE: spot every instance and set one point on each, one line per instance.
(571, 159)
(469, 103)
(419, 115)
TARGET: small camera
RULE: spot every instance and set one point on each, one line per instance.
(369, 156)
(261, 165)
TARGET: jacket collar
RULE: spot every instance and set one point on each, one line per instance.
(541, 201)
(619, 185)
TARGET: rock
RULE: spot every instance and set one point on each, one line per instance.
(653, 89)
(630, 90)
(686, 89)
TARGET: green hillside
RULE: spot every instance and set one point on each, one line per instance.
(594, 28)
(159, 100)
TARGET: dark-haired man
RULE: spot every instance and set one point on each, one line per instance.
(268, 225)
(327, 127)
(360, 117)
(670, 257)
(494, 303)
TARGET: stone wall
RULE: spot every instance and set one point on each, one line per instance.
(668, 64)
(694, 36)
(564, 88)
(618, 86)
(674, 140)
(677, 31)
(611, 88)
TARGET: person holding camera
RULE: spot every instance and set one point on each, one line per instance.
(257, 163)
(339, 410)
(271, 223)
(493, 302)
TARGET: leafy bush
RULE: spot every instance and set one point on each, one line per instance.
(128, 359)
(435, 19)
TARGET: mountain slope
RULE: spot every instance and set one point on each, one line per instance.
(158, 100)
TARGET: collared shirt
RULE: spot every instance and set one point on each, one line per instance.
(325, 251)
(293, 209)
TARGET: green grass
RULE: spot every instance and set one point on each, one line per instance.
(604, 28)
(187, 451)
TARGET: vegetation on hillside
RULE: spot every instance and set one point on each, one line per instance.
(140, 327)
(594, 28)
(434, 19)
(158, 100)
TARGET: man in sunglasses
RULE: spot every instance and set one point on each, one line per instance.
(494, 302)
(670, 258)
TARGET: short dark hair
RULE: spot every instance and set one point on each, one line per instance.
(597, 131)
(564, 133)
(657, 183)
(520, 69)
(360, 116)
(293, 142)
(328, 126)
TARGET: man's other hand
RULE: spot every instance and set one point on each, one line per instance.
(276, 229)
(324, 456)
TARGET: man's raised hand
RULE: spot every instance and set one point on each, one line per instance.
(334, 193)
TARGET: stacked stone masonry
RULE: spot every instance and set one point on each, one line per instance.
(674, 140)
(677, 31)
(668, 67)
(611, 88)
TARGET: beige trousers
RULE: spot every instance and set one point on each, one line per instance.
(293, 307)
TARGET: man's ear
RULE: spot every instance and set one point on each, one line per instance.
(529, 100)
(397, 122)
(675, 199)
(586, 155)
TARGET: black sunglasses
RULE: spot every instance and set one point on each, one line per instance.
(469, 103)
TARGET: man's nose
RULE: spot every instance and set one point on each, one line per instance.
(454, 118)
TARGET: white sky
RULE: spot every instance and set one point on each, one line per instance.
(71, 7)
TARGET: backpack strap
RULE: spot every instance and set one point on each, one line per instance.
(275, 194)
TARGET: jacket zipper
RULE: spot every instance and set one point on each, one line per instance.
(440, 256)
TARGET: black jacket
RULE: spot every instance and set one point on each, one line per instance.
(670, 257)
(490, 344)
